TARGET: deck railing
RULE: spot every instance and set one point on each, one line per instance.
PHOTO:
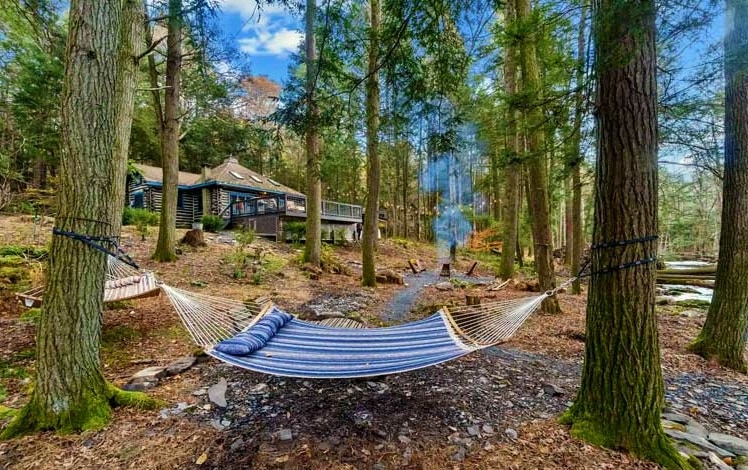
(291, 205)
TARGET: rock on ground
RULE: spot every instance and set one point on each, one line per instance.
(217, 393)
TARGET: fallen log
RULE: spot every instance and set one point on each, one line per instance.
(709, 269)
(703, 277)
(687, 282)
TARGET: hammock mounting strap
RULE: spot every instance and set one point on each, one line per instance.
(99, 243)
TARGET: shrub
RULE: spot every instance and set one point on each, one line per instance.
(245, 237)
(138, 216)
(296, 229)
(211, 223)
(340, 237)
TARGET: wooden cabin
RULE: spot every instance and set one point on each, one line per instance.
(241, 197)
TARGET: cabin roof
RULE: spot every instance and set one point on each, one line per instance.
(155, 174)
(230, 172)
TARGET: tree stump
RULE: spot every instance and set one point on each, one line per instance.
(472, 300)
(194, 238)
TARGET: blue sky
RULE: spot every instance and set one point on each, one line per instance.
(268, 36)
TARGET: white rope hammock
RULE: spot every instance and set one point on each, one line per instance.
(284, 345)
(211, 320)
(123, 282)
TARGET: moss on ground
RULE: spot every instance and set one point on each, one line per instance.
(31, 315)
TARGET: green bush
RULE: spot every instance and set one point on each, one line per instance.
(211, 223)
(138, 216)
(245, 237)
(340, 238)
(295, 229)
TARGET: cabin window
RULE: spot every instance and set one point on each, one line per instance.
(180, 200)
(138, 200)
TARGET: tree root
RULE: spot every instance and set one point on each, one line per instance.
(6, 412)
(701, 347)
(656, 448)
(137, 400)
(91, 413)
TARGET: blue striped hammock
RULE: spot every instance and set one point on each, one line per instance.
(274, 342)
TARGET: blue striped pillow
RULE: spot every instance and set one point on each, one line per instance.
(257, 336)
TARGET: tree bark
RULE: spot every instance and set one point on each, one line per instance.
(512, 170)
(723, 335)
(577, 222)
(568, 220)
(371, 218)
(537, 162)
(70, 392)
(622, 391)
(167, 230)
(313, 246)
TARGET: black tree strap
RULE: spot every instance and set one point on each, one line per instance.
(632, 241)
(617, 243)
(104, 244)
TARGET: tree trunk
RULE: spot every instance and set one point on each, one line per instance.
(622, 391)
(723, 335)
(406, 174)
(512, 171)
(537, 163)
(70, 392)
(313, 245)
(568, 220)
(577, 235)
(371, 219)
(167, 230)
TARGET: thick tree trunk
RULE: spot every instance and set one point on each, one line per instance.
(512, 170)
(723, 335)
(70, 392)
(577, 234)
(371, 219)
(537, 163)
(167, 230)
(622, 391)
(313, 245)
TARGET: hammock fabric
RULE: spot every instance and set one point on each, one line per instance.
(303, 349)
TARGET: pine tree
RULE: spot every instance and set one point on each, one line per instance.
(70, 391)
(622, 391)
(723, 335)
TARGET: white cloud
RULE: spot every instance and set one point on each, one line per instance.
(265, 42)
(269, 30)
(249, 9)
